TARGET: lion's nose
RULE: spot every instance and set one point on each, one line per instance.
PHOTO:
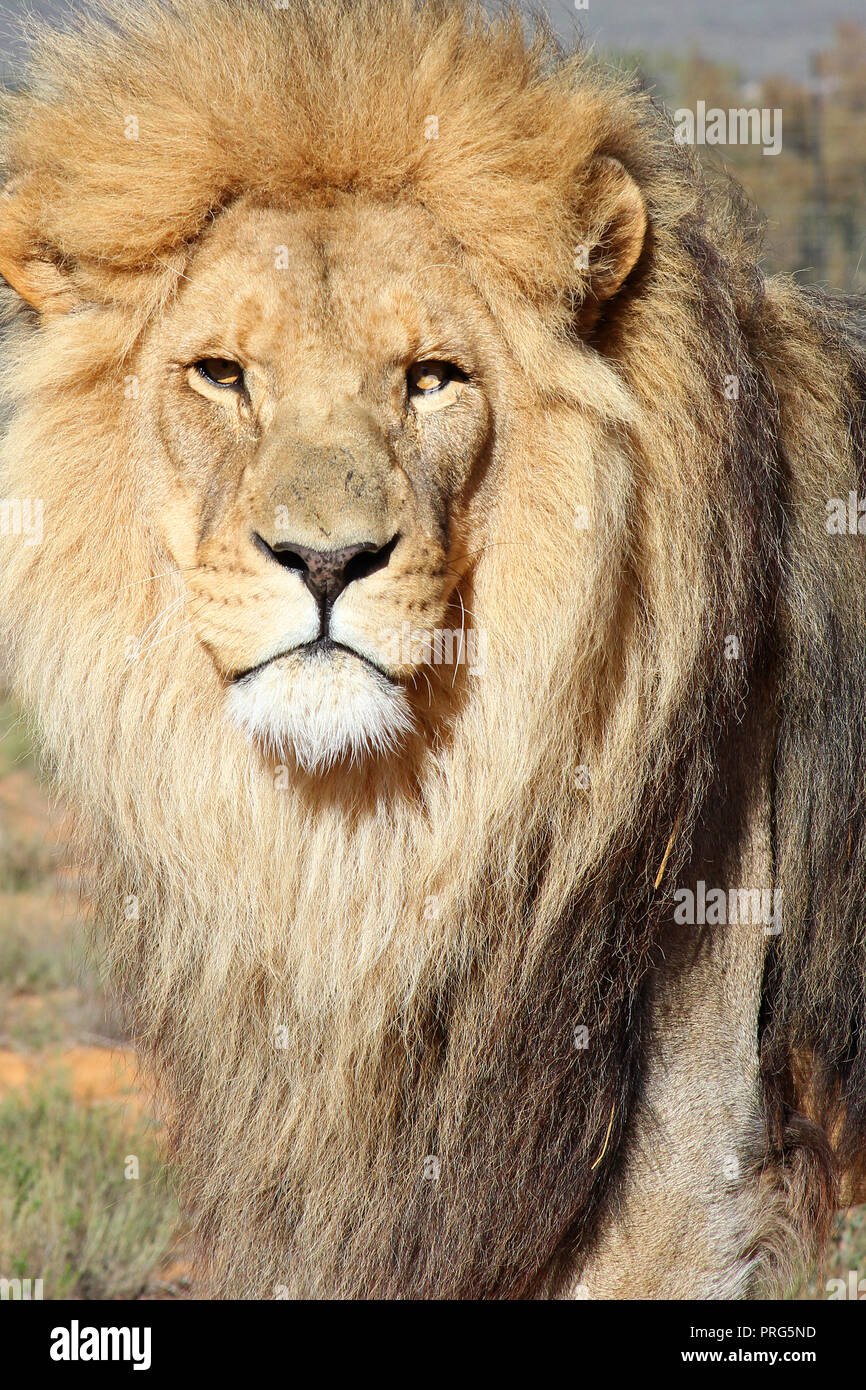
(327, 573)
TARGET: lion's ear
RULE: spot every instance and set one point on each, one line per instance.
(25, 263)
(617, 228)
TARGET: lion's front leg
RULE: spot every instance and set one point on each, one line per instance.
(693, 1203)
(704, 1212)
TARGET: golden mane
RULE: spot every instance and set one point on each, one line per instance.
(339, 979)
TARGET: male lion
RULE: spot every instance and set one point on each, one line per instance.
(526, 964)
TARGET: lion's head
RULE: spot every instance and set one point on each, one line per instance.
(396, 511)
(326, 402)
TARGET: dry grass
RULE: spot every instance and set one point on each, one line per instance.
(69, 1215)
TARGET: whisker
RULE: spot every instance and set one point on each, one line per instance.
(171, 267)
(161, 617)
(152, 578)
(462, 635)
(167, 635)
(471, 555)
(144, 646)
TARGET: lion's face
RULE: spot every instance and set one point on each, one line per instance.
(324, 401)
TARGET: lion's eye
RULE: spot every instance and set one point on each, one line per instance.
(433, 385)
(219, 371)
(428, 376)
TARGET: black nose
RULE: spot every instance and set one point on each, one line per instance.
(327, 573)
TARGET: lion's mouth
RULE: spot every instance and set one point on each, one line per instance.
(321, 648)
(322, 703)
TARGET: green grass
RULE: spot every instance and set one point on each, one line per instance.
(68, 1215)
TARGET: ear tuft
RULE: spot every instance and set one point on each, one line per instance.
(24, 262)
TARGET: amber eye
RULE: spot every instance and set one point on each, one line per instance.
(434, 385)
(427, 377)
(219, 371)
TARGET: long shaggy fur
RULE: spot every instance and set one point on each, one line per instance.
(339, 978)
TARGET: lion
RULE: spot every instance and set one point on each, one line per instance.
(439, 630)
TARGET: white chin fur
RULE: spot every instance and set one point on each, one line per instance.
(323, 709)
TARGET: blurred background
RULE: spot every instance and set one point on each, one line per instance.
(807, 60)
(85, 1203)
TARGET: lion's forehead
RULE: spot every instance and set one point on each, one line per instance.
(321, 285)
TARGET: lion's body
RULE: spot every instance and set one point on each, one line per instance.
(340, 977)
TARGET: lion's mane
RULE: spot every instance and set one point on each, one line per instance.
(338, 980)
